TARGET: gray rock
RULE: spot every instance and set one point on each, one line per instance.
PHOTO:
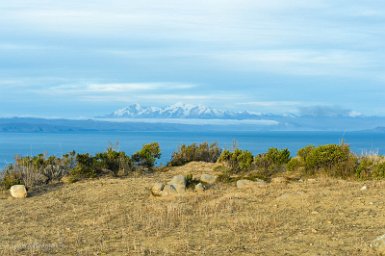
(199, 187)
(157, 189)
(378, 244)
(209, 179)
(18, 191)
(179, 183)
(169, 190)
(243, 184)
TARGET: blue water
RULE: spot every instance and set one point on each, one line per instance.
(12, 144)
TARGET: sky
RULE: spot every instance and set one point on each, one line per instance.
(88, 58)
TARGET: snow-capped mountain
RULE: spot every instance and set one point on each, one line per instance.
(179, 111)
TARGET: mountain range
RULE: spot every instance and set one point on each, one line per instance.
(180, 111)
(185, 117)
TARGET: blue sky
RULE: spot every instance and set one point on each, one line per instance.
(86, 58)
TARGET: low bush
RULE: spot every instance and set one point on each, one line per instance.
(113, 161)
(371, 167)
(238, 160)
(273, 161)
(195, 152)
(84, 167)
(335, 160)
(295, 164)
(147, 156)
(9, 177)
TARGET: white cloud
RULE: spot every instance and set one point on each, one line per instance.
(271, 103)
(300, 62)
(112, 88)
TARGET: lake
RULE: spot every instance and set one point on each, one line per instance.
(12, 144)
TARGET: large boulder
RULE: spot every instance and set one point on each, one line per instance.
(169, 190)
(18, 191)
(157, 189)
(208, 179)
(179, 183)
(378, 244)
(244, 184)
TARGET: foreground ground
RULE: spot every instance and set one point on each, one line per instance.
(120, 217)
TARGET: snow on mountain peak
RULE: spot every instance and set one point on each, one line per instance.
(178, 110)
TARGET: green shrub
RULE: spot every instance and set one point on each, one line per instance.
(9, 178)
(365, 168)
(195, 152)
(84, 167)
(113, 161)
(295, 164)
(239, 160)
(335, 160)
(147, 156)
(379, 170)
(273, 161)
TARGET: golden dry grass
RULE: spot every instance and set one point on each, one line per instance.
(120, 217)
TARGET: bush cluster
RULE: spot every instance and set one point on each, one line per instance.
(273, 161)
(195, 152)
(38, 170)
(238, 160)
(335, 160)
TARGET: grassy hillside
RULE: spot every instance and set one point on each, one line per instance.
(112, 216)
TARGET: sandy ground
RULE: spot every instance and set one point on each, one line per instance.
(120, 217)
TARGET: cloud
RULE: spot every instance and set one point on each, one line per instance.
(114, 88)
(327, 111)
(271, 103)
(300, 61)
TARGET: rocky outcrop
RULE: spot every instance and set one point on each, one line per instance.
(179, 183)
(208, 179)
(157, 189)
(169, 190)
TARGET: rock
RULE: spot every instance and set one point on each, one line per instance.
(18, 191)
(243, 184)
(378, 244)
(311, 180)
(199, 187)
(279, 180)
(364, 188)
(209, 179)
(157, 189)
(179, 183)
(169, 190)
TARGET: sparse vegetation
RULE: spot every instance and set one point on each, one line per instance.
(147, 156)
(195, 152)
(274, 161)
(333, 160)
(255, 217)
(238, 160)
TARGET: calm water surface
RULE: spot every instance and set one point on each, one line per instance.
(12, 144)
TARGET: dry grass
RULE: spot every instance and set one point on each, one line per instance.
(120, 217)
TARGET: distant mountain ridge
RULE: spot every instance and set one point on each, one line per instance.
(179, 111)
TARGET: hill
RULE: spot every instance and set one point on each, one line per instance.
(112, 216)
